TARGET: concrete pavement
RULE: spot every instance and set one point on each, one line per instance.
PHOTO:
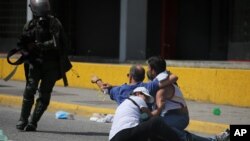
(85, 102)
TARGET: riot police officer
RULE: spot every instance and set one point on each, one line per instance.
(44, 39)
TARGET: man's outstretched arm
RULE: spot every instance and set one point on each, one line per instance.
(103, 86)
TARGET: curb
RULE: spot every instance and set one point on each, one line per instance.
(87, 111)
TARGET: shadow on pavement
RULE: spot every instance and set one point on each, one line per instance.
(75, 133)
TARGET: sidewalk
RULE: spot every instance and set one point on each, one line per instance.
(84, 102)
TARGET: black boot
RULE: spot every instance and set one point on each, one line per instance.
(37, 114)
(25, 113)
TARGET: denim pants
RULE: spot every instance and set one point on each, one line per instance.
(179, 121)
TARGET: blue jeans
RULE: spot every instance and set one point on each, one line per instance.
(179, 121)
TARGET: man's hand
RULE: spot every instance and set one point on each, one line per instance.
(106, 86)
(103, 86)
(171, 79)
(146, 110)
(39, 45)
(94, 79)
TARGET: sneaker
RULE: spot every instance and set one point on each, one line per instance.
(224, 136)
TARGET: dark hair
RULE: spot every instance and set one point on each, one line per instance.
(137, 72)
(157, 63)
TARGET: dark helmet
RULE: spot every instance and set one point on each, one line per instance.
(40, 8)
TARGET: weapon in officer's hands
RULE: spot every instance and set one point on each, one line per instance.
(22, 49)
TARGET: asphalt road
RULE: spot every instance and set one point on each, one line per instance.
(51, 129)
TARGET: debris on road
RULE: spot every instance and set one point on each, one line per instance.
(103, 118)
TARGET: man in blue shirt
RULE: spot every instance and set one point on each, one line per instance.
(136, 76)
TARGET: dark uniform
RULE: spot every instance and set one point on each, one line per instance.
(47, 62)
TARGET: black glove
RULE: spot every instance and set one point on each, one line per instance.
(39, 46)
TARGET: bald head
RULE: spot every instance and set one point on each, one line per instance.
(137, 72)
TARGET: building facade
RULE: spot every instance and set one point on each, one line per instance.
(136, 29)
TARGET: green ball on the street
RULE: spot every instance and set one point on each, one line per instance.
(216, 111)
